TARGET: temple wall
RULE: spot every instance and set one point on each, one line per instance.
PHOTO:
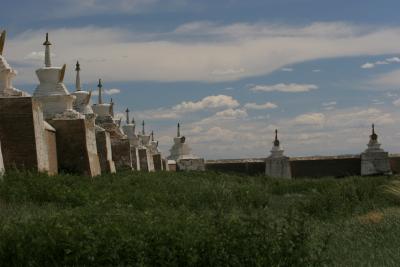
(75, 149)
(1, 162)
(52, 151)
(145, 160)
(104, 152)
(158, 162)
(22, 132)
(301, 167)
(121, 153)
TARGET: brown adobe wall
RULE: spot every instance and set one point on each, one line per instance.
(325, 166)
(395, 163)
(121, 154)
(245, 166)
(22, 133)
(52, 151)
(104, 152)
(158, 162)
(300, 167)
(76, 147)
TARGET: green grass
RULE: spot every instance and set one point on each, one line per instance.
(196, 219)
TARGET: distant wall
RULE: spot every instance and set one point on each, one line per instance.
(334, 166)
(325, 166)
(245, 166)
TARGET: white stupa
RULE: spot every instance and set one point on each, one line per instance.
(82, 101)
(7, 74)
(276, 151)
(374, 160)
(51, 92)
(130, 130)
(144, 139)
(105, 113)
(180, 149)
(277, 165)
(153, 145)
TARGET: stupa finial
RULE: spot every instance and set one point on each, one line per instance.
(78, 77)
(178, 134)
(100, 85)
(276, 141)
(127, 115)
(133, 120)
(47, 44)
(152, 135)
(2, 41)
(374, 136)
(143, 131)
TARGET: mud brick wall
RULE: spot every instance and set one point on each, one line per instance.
(135, 158)
(1, 162)
(143, 159)
(104, 152)
(76, 147)
(121, 154)
(158, 164)
(244, 166)
(395, 163)
(52, 151)
(22, 134)
(325, 166)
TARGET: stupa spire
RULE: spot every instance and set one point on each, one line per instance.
(127, 116)
(276, 141)
(133, 120)
(2, 41)
(100, 85)
(143, 131)
(178, 134)
(374, 136)
(152, 135)
(47, 44)
(78, 77)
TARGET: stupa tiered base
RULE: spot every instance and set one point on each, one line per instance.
(375, 161)
(278, 167)
(76, 146)
(27, 141)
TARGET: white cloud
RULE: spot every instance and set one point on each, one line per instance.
(287, 69)
(393, 59)
(267, 105)
(112, 91)
(316, 119)
(282, 87)
(218, 53)
(214, 101)
(368, 65)
(397, 102)
(231, 114)
(331, 103)
(316, 70)
(387, 61)
(207, 103)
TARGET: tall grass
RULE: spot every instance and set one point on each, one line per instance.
(177, 219)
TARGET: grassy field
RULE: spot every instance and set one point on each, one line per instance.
(196, 219)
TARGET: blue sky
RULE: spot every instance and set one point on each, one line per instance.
(231, 71)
